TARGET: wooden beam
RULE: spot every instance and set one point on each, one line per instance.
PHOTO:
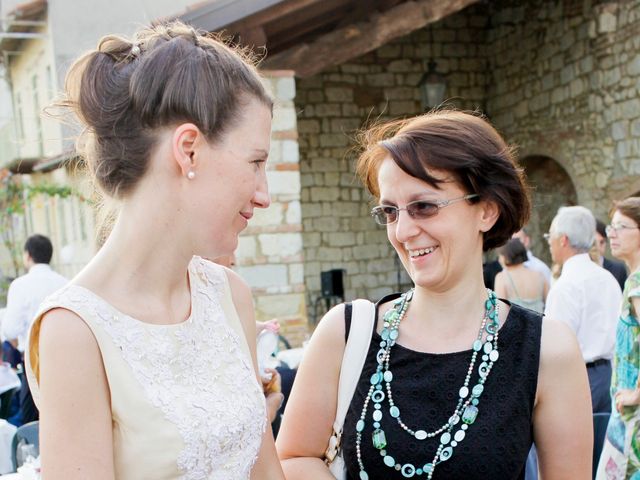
(270, 14)
(355, 40)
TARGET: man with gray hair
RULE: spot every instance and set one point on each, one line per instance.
(586, 297)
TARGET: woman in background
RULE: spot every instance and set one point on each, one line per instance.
(517, 283)
(620, 459)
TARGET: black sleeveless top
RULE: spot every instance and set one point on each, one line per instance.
(425, 388)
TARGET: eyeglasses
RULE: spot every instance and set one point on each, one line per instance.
(420, 209)
(609, 229)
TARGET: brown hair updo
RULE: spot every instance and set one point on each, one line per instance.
(125, 90)
(460, 143)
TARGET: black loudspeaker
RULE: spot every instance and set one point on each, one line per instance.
(332, 283)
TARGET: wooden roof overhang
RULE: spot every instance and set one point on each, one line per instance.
(308, 36)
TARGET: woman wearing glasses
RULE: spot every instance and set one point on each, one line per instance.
(456, 383)
(620, 457)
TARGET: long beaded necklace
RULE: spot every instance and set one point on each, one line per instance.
(466, 409)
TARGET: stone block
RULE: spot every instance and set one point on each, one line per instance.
(607, 22)
(326, 254)
(283, 182)
(308, 126)
(403, 107)
(246, 247)
(635, 128)
(325, 194)
(620, 130)
(275, 306)
(633, 67)
(280, 244)
(328, 110)
(290, 151)
(333, 140)
(284, 118)
(612, 77)
(339, 94)
(264, 276)
(365, 252)
(404, 65)
(326, 224)
(313, 239)
(341, 125)
(315, 96)
(294, 214)
(576, 87)
(268, 216)
(342, 239)
(380, 80)
(285, 88)
(296, 273)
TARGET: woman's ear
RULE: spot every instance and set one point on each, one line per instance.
(184, 141)
(489, 213)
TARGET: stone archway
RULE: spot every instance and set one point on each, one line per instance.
(552, 188)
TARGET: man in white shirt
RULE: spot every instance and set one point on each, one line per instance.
(533, 262)
(586, 297)
(25, 295)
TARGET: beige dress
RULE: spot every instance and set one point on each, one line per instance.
(185, 401)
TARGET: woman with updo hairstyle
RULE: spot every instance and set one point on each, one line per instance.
(456, 383)
(144, 366)
(517, 283)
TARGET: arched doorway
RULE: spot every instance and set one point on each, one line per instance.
(552, 188)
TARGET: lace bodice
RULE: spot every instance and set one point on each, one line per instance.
(196, 374)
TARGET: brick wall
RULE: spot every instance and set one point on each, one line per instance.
(269, 255)
(337, 229)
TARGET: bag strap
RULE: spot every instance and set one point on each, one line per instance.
(355, 353)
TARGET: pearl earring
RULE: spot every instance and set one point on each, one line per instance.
(191, 174)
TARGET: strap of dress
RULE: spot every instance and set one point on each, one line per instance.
(513, 285)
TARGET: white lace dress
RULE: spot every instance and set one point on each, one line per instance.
(184, 398)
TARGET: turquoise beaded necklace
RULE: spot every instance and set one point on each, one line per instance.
(466, 409)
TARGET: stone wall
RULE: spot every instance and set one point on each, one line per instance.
(569, 91)
(333, 105)
(269, 255)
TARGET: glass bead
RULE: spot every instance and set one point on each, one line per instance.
(488, 347)
(493, 356)
(389, 461)
(475, 401)
(363, 475)
(464, 426)
(377, 415)
(388, 376)
(428, 468)
(375, 378)
(454, 419)
(394, 412)
(408, 470)
(488, 305)
(418, 471)
(483, 369)
(377, 396)
(384, 334)
(445, 438)
(470, 414)
(485, 358)
(459, 436)
(446, 453)
(477, 390)
(393, 334)
(376, 425)
(454, 443)
(360, 426)
(379, 439)
(464, 392)
(477, 345)
(421, 435)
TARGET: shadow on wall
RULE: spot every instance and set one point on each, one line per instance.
(552, 188)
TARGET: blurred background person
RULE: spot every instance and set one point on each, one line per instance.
(533, 262)
(620, 458)
(586, 297)
(517, 283)
(25, 295)
(617, 268)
